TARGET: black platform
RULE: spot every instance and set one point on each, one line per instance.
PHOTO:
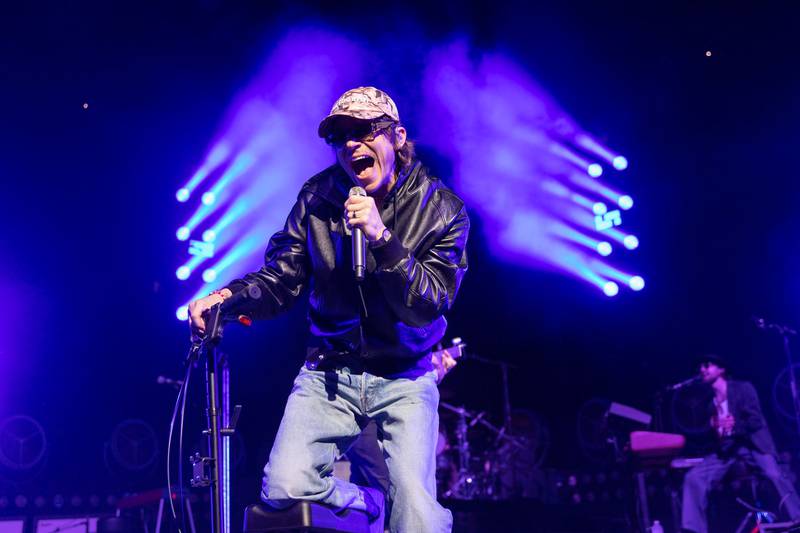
(305, 517)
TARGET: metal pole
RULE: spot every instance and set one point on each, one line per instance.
(506, 399)
(213, 438)
(226, 446)
(792, 379)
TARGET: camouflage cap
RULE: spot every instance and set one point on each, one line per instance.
(363, 103)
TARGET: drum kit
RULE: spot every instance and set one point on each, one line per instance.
(477, 459)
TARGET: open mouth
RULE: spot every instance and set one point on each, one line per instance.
(362, 163)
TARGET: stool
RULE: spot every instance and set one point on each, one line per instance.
(305, 516)
(746, 484)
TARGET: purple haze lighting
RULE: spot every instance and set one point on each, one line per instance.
(236, 211)
(590, 145)
(266, 146)
(625, 202)
(572, 157)
(240, 165)
(595, 186)
(509, 142)
(582, 200)
(216, 157)
(568, 233)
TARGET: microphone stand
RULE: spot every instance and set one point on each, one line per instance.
(785, 332)
(213, 471)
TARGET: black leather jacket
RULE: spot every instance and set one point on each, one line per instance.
(411, 281)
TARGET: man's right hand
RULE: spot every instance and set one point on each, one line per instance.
(198, 307)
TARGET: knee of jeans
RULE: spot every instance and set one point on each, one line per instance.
(773, 472)
(286, 481)
(693, 479)
(408, 488)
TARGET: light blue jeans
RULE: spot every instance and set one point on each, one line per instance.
(699, 479)
(320, 422)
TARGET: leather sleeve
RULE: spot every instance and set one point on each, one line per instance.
(750, 417)
(421, 289)
(286, 266)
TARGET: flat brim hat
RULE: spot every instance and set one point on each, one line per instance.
(713, 358)
(361, 103)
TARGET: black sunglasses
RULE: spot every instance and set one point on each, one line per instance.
(364, 131)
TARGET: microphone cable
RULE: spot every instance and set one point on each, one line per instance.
(180, 447)
(180, 403)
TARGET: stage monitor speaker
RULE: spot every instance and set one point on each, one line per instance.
(12, 525)
(74, 524)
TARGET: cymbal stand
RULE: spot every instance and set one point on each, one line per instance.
(504, 366)
(464, 486)
(785, 332)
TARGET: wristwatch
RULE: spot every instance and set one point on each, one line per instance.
(383, 239)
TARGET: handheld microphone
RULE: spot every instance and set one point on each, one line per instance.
(359, 243)
(236, 303)
(685, 383)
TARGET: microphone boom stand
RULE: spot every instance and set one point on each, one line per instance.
(785, 332)
(212, 470)
(206, 470)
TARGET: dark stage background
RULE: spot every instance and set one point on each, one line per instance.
(88, 253)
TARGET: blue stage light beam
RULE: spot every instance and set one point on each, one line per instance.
(595, 170)
(216, 157)
(610, 288)
(599, 188)
(625, 202)
(634, 281)
(589, 144)
(185, 271)
(620, 162)
(209, 275)
(631, 242)
(183, 233)
(499, 127)
(269, 151)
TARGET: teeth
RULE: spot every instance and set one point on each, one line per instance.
(360, 157)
